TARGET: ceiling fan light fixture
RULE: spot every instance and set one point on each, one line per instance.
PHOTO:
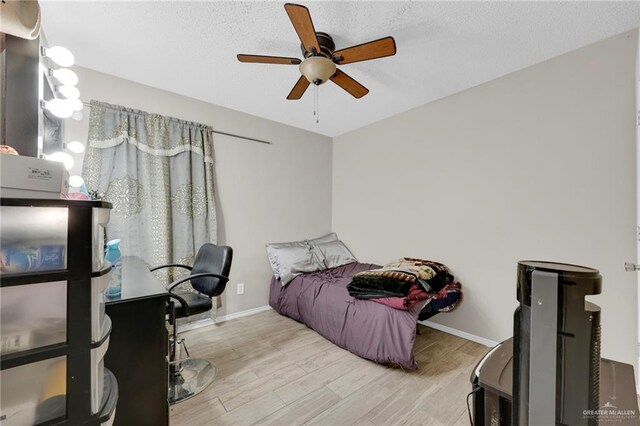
(321, 56)
(317, 69)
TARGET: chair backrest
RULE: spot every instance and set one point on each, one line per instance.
(213, 259)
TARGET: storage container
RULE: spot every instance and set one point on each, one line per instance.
(33, 393)
(100, 220)
(32, 316)
(97, 375)
(111, 419)
(45, 326)
(98, 287)
(109, 399)
(33, 239)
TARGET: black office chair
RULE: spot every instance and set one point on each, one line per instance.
(209, 277)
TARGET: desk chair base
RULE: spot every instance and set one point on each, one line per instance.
(188, 377)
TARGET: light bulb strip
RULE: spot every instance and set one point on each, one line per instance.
(61, 157)
(76, 147)
(64, 75)
(69, 92)
(76, 181)
(61, 108)
(59, 55)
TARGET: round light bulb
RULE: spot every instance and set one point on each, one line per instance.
(76, 104)
(76, 147)
(65, 76)
(69, 92)
(76, 181)
(59, 107)
(61, 157)
(60, 55)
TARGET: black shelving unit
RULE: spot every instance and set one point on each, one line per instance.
(78, 345)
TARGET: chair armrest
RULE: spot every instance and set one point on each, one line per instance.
(183, 303)
(190, 277)
(170, 265)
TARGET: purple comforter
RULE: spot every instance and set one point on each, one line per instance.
(368, 329)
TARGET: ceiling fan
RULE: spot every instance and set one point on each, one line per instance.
(321, 58)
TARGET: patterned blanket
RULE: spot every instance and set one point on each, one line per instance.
(404, 282)
(396, 279)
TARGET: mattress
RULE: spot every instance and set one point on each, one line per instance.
(366, 328)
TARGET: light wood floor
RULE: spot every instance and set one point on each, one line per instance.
(275, 371)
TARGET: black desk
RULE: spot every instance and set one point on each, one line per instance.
(137, 353)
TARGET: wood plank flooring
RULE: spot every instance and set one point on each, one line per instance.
(273, 370)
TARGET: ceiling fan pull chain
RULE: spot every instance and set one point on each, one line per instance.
(315, 99)
(317, 105)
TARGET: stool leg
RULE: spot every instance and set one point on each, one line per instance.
(174, 367)
(187, 377)
(183, 342)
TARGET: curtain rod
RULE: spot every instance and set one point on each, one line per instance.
(87, 104)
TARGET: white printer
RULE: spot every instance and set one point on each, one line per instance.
(30, 177)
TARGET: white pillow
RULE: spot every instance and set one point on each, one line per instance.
(291, 259)
(335, 253)
(325, 239)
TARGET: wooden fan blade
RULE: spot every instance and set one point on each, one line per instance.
(261, 59)
(354, 88)
(299, 89)
(363, 52)
(301, 20)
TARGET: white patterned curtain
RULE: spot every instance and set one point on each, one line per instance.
(158, 172)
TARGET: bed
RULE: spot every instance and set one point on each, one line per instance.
(366, 328)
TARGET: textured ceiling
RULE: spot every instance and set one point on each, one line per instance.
(443, 48)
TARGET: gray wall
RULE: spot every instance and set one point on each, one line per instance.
(539, 164)
(265, 193)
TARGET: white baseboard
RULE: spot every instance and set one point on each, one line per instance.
(241, 314)
(222, 318)
(459, 333)
(196, 324)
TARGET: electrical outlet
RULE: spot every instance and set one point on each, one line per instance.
(240, 288)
